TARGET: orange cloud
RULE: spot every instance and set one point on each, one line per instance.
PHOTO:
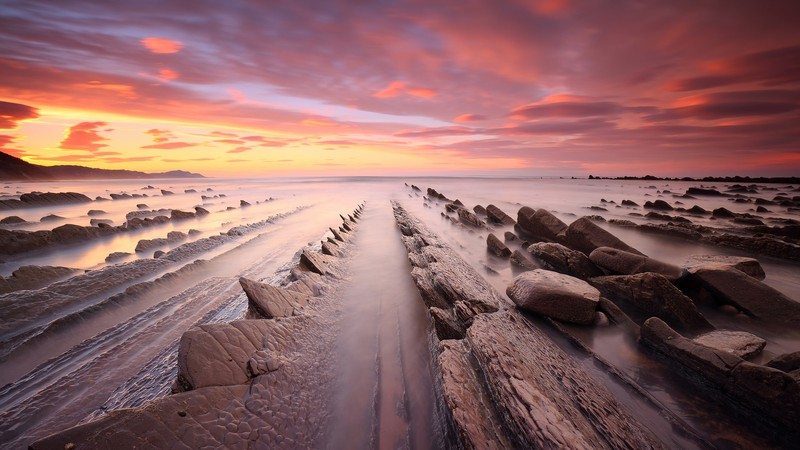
(160, 45)
(85, 136)
(11, 113)
(123, 90)
(318, 123)
(170, 145)
(160, 135)
(167, 74)
(466, 118)
(396, 88)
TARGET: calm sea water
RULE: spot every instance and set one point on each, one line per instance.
(94, 339)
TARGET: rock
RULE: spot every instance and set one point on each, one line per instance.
(540, 223)
(200, 211)
(788, 362)
(653, 295)
(314, 262)
(565, 260)
(468, 218)
(496, 246)
(158, 254)
(115, 256)
(12, 220)
(177, 214)
(626, 263)
(34, 277)
(271, 301)
(555, 295)
(98, 222)
(510, 386)
(740, 343)
(729, 285)
(750, 266)
(585, 236)
(479, 210)
(175, 236)
(50, 218)
(447, 326)
(762, 245)
(243, 203)
(95, 212)
(142, 206)
(659, 205)
(165, 192)
(629, 203)
(36, 199)
(218, 354)
(520, 260)
(697, 210)
(329, 249)
(723, 213)
(496, 215)
(194, 232)
(767, 395)
(600, 319)
(701, 191)
(262, 362)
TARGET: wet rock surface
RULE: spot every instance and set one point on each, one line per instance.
(540, 223)
(653, 295)
(496, 246)
(625, 263)
(742, 344)
(562, 259)
(34, 277)
(497, 215)
(555, 295)
(36, 199)
(750, 266)
(583, 235)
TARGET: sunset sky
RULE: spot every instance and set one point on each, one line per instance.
(329, 87)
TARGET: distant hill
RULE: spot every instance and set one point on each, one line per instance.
(12, 168)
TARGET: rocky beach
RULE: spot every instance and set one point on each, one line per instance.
(400, 313)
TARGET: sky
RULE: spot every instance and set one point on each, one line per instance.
(330, 87)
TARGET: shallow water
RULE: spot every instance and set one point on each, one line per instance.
(127, 348)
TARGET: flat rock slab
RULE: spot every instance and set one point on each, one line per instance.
(740, 343)
(272, 301)
(750, 266)
(733, 286)
(555, 295)
(34, 277)
(497, 215)
(545, 399)
(626, 263)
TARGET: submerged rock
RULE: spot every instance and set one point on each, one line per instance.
(271, 301)
(740, 343)
(468, 218)
(10, 220)
(555, 295)
(34, 277)
(520, 260)
(36, 199)
(788, 362)
(660, 205)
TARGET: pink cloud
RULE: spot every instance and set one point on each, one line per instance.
(85, 136)
(467, 118)
(396, 88)
(161, 45)
(239, 150)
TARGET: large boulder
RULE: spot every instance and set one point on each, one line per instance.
(177, 214)
(732, 286)
(740, 343)
(787, 362)
(626, 263)
(10, 220)
(467, 217)
(565, 260)
(585, 236)
(496, 246)
(540, 223)
(497, 215)
(654, 295)
(271, 301)
(555, 295)
(750, 266)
